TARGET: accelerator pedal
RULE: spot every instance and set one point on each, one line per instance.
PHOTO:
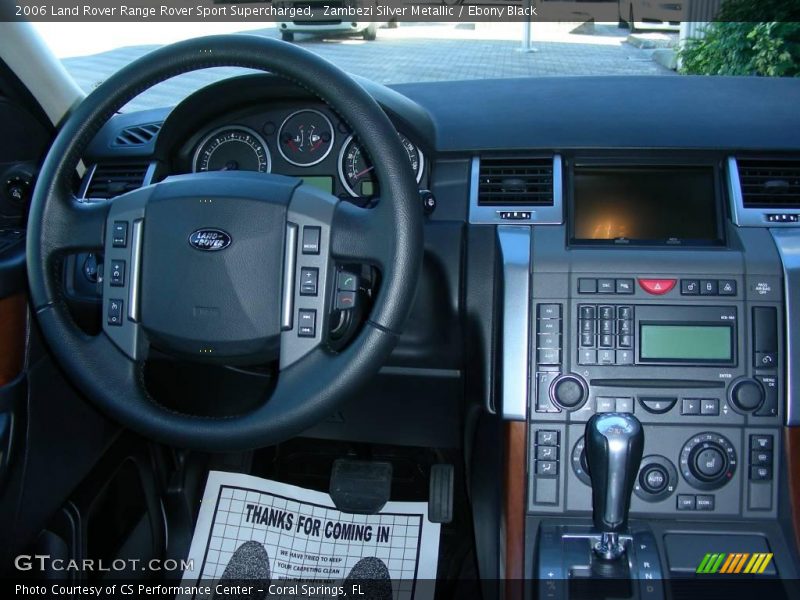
(360, 486)
(440, 493)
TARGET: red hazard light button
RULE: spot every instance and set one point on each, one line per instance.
(657, 286)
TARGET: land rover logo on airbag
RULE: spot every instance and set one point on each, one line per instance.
(210, 240)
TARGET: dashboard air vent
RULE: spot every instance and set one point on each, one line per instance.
(139, 135)
(110, 180)
(515, 182)
(770, 183)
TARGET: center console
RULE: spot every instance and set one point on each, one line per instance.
(646, 302)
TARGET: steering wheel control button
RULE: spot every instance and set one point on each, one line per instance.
(708, 461)
(346, 282)
(114, 316)
(658, 405)
(120, 234)
(310, 241)
(309, 281)
(116, 274)
(345, 300)
(657, 287)
(569, 391)
(306, 323)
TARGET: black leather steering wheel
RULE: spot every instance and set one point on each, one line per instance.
(212, 260)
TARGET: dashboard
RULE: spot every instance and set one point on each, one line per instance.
(616, 246)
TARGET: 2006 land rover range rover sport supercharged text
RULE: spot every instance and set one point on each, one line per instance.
(398, 319)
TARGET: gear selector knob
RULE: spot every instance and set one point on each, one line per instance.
(614, 445)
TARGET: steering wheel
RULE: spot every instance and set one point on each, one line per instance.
(207, 266)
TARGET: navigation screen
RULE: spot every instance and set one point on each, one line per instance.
(645, 204)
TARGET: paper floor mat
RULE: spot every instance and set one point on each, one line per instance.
(292, 542)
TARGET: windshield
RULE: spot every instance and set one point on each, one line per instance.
(647, 42)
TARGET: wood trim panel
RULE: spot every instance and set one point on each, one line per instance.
(13, 329)
(516, 434)
(792, 458)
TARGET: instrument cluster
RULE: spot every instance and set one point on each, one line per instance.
(308, 142)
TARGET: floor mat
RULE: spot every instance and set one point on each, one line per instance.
(292, 542)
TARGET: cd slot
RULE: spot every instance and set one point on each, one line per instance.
(658, 383)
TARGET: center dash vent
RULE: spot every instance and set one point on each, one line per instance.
(770, 183)
(110, 180)
(515, 182)
(138, 135)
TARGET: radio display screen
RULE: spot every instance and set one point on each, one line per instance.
(685, 343)
(645, 205)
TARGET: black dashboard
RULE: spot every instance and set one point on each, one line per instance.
(597, 244)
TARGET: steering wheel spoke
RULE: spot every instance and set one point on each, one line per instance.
(363, 235)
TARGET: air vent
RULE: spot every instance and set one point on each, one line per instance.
(770, 183)
(138, 135)
(110, 180)
(515, 182)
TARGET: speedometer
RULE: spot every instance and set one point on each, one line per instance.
(232, 148)
(357, 173)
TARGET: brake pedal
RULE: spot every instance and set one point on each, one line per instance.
(360, 486)
(440, 493)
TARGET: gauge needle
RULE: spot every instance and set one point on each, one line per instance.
(362, 173)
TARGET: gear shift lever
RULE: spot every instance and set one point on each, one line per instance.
(614, 445)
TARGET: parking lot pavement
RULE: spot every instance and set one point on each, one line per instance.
(421, 52)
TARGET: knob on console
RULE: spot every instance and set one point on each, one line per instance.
(708, 461)
(569, 391)
(746, 395)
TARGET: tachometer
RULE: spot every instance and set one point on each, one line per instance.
(356, 171)
(232, 148)
(305, 138)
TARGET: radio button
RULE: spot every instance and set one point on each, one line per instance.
(625, 312)
(709, 406)
(548, 356)
(690, 406)
(607, 341)
(586, 311)
(708, 287)
(606, 312)
(657, 405)
(624, 405)
(770, 406)
(625, 341)
(605, 286)
(606, 404)
(690, 287)
(624, 327)
(587, 286)
(587, 326)
(549, 326)
(607, 327)
(549, 311)
(548, 340)
(657, 287)
(606, 357)
(587, 340)
(587, 357)
(625, 286)
(624, 357)
(569, 391)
